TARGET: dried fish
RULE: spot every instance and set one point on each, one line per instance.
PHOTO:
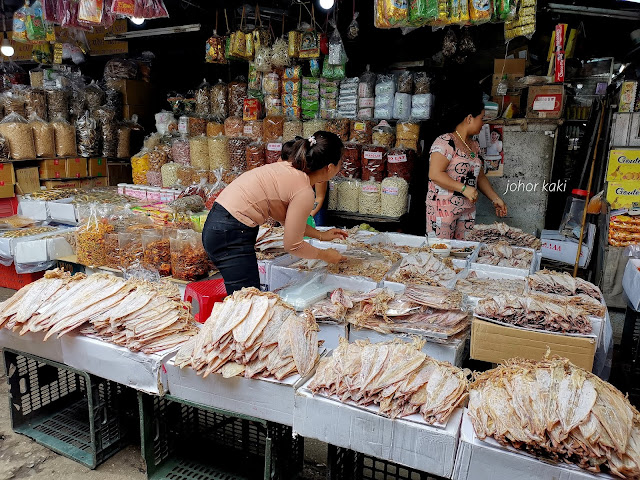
(560, 283)
(423, 269)
(503, 255)
(255, 334)
(489, 287)
(396, 376)
(555, 410)
(499, 232)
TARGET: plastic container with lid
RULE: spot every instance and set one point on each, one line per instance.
(153, 194)
(121, 188)
(573, 210)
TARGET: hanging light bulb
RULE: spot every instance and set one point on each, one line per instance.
(6, 48)
(327, 4)
(137, 20)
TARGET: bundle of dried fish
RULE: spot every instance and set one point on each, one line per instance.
(423, 269)
(270, 242)
(255, 334)
(556, 410)
(434, 297)
(139, 315)
(441, 324)
(334, 308)
(499, 232)
(560, 283)
(535, 312)
(364, 263)
(503, 255)
(489, 287)
(396, 376)
(308, 264)
(584, 303)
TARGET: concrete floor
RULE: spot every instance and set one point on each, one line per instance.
(22, 458)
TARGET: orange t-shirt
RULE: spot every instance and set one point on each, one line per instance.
(277, 191)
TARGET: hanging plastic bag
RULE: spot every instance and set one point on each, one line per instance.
(20, 24)
(91, 11)
(293, 43)
(35, 23)
(480, 11)
(203, 98)
(123, 7)
(214, 49)
(150, 9)
(391, 13)
(354, 28)
(280, 54)
(337, 54)
(309, 40)
(422, 12)
(262, 59)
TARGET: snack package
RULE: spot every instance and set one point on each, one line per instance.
(169, 172)
(199, 152)
(214, 129)
(237, 94)
(351, 162)
(292, 128)
(181, 150)
(86, 131)
(219, 107)
(340, 126)
(383, 135)
(90, 238)
(255, 155)
(20, 24)
(238, 153)
(361, 131)
(407, 135)
(280, 54)
(309, 44)
(273, 150)
(273, 127)
(421, 106)
(108, 129)
(374, 162)
(337, 54)
(19, 134)
(156, 251)
(391, 13)
(140, 165)
(400, 162)
(254, 82)
(189, 261)
(234, 127)
(525, 23)
(214, 49)
(253, 129)
(293, 38)
(203, 98)
(422, 12)
(348, 195)
(505, 10)
(402, 106)
(219, 152)
(394, 194)
(262, 59)
(480, 11)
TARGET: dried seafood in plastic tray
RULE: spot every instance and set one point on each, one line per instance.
(561, 283)
(362, 263)
(423, 268)
(502, 232)
(503, 255)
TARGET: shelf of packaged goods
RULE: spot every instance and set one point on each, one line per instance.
(365, 218)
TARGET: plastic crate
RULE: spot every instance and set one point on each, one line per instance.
(9, 278)
(184, 441)
(75, 414)
(345, 464)
(8, 206)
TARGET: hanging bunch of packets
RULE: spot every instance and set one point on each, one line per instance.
(458, 12)
(504, 10)
(424, 12)
(391, 13)
(480, 11)
(526, 21)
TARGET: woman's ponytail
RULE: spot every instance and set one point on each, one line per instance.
(316, 152)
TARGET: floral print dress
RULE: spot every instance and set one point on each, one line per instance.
(450, 214)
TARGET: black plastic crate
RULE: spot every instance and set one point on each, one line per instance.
(75, 414)
(345, 464)
(184, 441)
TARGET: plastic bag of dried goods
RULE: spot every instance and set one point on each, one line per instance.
(43, 136)
(19, 134)
(394, 194)
(189, 261)
(348, 195)
(65, 137)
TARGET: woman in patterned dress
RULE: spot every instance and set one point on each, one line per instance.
(456, 173)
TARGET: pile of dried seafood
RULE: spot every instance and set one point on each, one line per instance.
(334, 308)
(136, 314)
(255, 334)
(270, 242)
(499, 232)
(547, 281)
(423, 269)
(540, 312)
(489, 287)
(503, 255)
(434, 297)
(396, 375)
(556, 410)
(372, 263)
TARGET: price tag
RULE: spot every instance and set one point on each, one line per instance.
(373, 155)
(370, 188)
(390, 190)
(398, 158)
(274, 147)
(544, 103)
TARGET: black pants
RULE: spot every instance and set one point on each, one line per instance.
(230, 245)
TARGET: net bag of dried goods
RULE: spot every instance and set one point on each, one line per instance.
(65, 137)
(189, 261)
(349, 195)
(394, 194)
(17, 131)
(43, 136)
(369, 198)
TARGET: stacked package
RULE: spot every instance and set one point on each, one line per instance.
(291, 88)
(385, 96)
(402, 98)
(348, 98)
(366, 95)
(310, 97)
(328, 98)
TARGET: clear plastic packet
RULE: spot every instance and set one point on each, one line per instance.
(369, 198)
(87, 136)
(157, 158)
(280, 54)
(36, 103)
(216, 188)
(273, 151)
(234, 126)
(253, 129)
(394, 194)
(383, 135)
(219, 152)
(43, 136)
(19, 134)
(214, 129)
(203, 98)
(273, 105)
(374, 162)
(94, 96)
(181, 151)
(422, 83)
(402, 106)
(154, 178)
(36, 77)
(169, 172)
(237, 94)
(64, 137)
(199, 152)
(360, 131)
(113, 100)
(4, 148)
(354, 28)
(255, 153)
(400, 162)
(187, 175)
(271, 84)
(156, 251)
(189, 261)
(90, 237)
(238, 153)
(197, 126)
(13, 103)
(108, 127)
(332, 193)
(337, 54)
(291, 129)
(118, 68)
(150, 9)
(407, 135)
(351, 162)
(313, 126)
(219, 101)
(262, 59)
(340, 126)
(405, 83)
(348, 195)
(523, 24)
(273, 128)
(123, 149)
(421, 106)
(214, 49)
(140, 165)
(423, 12)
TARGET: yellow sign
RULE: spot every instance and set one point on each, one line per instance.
(624, 165)
(623, 194)
(97, 44)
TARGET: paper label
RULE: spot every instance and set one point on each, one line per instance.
(390, 190)
(399, 158)
(274, 147)
(360, 126)
(373, 155)
(248, 130)
(370, 188)
(545, 103)
(366, 102)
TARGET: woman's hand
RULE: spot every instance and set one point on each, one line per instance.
(471, 193)
(331, 255)
(501, 207)
(333, 234)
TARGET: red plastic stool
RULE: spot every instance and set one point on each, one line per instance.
(206, 293)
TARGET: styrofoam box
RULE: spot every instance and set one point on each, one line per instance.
(63, 211)
(473, 301)
(33, 343)
(281, 276)
(521, 272)
(34, 209)
(411, 443)
(268, 399)
(330, 333)
(631, 282)
(400, 239)
(31, 251)
(487, 460)
(454, 352)
(341, 247)
(263, 270)
(134, 369)
(465, 262)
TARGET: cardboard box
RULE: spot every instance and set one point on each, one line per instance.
(268, 399)
(7, 190)
(33, 343)
(560, 248)
(495, 343)
(142, 111)
(509, 66)
(488, 460)
(504, 101)
(624, 165)
(28, 180)
(545, 101)
(7, 174)
(134, 92)
(50, 184)
(627, 101)
(76, 167)
(408, 441)
(98, 167)
(623, 194)
(100, 182)
(119, 364)
(55, 168)
(86, 183)
(631, 282)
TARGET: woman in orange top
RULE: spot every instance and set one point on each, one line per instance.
(282, 191)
